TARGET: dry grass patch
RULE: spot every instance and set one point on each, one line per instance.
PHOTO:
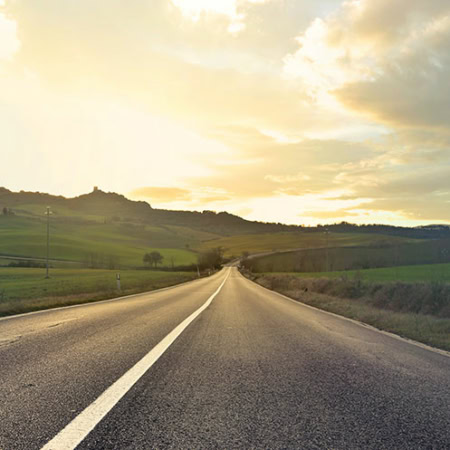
(416, 311)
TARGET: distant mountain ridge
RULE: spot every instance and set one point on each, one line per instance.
(116, 207)
(96, 202)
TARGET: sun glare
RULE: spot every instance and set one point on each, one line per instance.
(195, 8)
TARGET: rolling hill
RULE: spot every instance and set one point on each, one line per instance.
(107, 230)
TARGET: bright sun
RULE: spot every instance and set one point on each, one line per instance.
(194, 8)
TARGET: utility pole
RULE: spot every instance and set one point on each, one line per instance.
(48, 212)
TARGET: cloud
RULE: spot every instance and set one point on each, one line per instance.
(367, 181)
(306, 167)
(287, 178)
(136, 53)
(387, 60)
(414, 186)
(162, 194)
(182, 197)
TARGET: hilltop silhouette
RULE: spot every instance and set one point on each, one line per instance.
(116, 207)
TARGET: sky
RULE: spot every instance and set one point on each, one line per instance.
(292, 111)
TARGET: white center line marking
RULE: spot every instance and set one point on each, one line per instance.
(70, 436)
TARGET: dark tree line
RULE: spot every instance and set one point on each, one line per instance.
(153, 259)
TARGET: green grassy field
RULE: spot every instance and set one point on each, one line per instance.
(93, 243)
(259, 243)
(121, 244)
(408, 274)
(26, 289)
(353, 256)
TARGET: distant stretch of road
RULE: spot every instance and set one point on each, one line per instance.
(215, 363)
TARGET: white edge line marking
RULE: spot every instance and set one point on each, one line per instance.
(356, 322)
(106, 300)
(77, 430)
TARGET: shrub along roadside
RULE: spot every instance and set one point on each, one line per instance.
(419, 311)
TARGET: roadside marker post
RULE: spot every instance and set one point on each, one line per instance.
(118, 281)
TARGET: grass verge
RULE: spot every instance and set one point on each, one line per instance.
(436, 273)
(426, 328)
(26, 289)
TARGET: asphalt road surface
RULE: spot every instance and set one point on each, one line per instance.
(252, 370)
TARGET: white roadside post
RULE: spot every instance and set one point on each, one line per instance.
(118, 281)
